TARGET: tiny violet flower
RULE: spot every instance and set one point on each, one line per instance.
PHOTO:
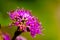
(24, 19)
(20, 38)
(4, 36)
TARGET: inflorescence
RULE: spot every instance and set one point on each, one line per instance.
(25, 21)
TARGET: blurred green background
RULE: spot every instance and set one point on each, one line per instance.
(48, 12)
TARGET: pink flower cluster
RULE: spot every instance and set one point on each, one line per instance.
(23, 18)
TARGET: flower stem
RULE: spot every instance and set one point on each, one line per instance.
(17, 32)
